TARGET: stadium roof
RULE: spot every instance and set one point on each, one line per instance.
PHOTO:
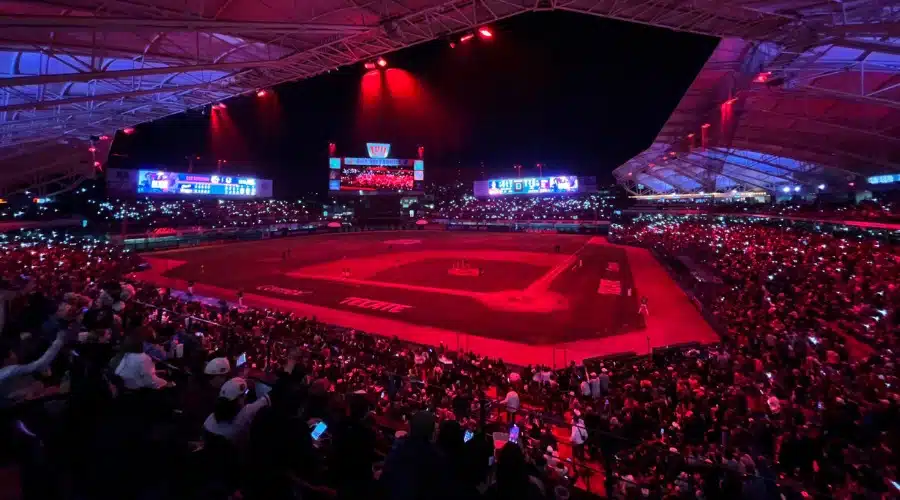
(76, 70)
(764, 116)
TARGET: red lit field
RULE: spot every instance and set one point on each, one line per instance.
(513, 297)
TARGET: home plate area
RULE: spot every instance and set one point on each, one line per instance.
(534, 289)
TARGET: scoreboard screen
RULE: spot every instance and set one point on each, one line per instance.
(376, 174)
(174, 183)
(532, 185)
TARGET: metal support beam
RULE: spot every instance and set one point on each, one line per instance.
(115, 24)
(102, 97)
(21, 81)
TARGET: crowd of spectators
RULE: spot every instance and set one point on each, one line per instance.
(883, 209)
(582, 207)
(786, 396)
(169, 396)
(223, 399)
(149, 214)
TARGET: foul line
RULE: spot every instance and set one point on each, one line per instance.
(398, 286)
(542, 284)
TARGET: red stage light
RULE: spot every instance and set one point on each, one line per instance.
(369, 66)
(128, 130)
(730, 101)
(706, 125)
(261, 93)
(466, 37)
(485, 32)
(92, 149)
(691, 135)
(763, 77)
(452, 45)
(220, 105)
(381, 62)
(104, 137)
(97, 164)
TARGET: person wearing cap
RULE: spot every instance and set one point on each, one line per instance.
(202, 392)
(136, 368)
(604, 381)
(595, 386)
(232, 417)
(579, 436)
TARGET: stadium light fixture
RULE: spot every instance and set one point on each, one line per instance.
(762, 77)
(786, 189)
(796, 189)
(465, 38)
(104, 137)
(369, 65)
(381, 62)
(821, 187)
(261, 93)
(485, 32)
(92, 149)
(128, 130)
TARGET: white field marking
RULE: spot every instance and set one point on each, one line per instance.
(542, 284)
(283, 291)
(375, 305)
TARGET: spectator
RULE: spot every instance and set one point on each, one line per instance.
(511, 402)
(232, 417)
(135, 368)
(354, 445)
(12, 373)
(513, 481)
(415, 469)
(578, 437)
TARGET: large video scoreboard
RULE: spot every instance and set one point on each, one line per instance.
(558, 184)
(376, 174)
(164, 183)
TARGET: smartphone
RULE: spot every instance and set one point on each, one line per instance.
(821, 406)
(514, 434)
(318, 430)
(242, 360)
(468, 436)
(662, 432)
